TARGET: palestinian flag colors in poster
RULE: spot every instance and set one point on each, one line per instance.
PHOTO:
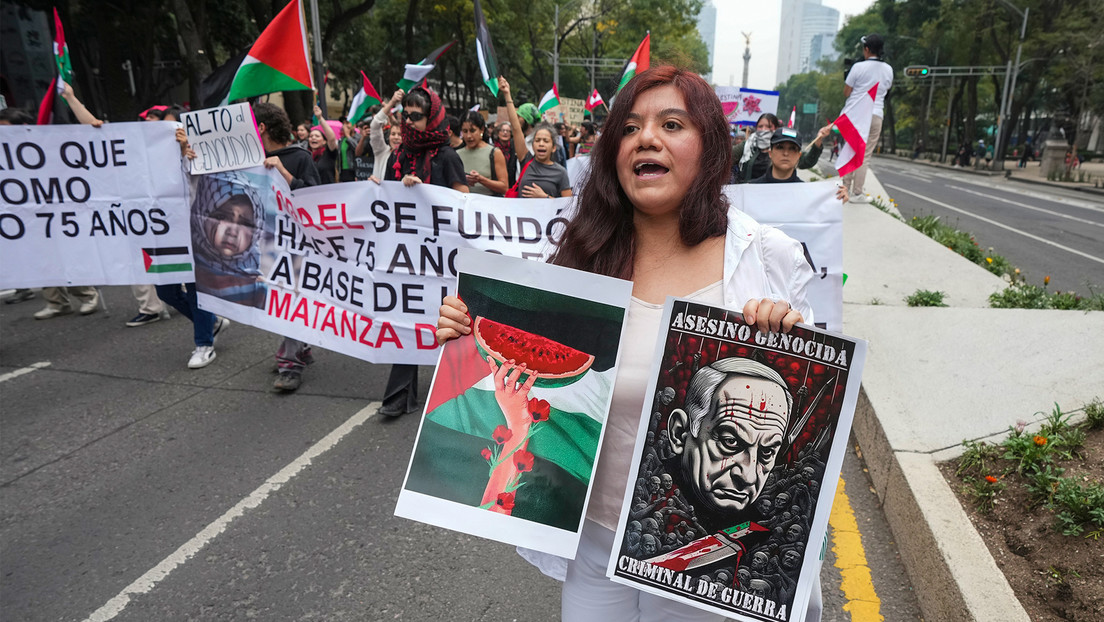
(508, 452)
(167, 259)
(279, 60)
(638, 63)
(550, 100)
(594, 101)
(736, 462)
(64, 74)
(414, 74)
(484, 51)
(365, 98)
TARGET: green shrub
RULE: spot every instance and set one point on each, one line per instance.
(925, 298)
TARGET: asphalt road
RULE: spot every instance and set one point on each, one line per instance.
(132, 485)
(1043, 231)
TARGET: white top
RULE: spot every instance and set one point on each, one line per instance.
(760, 262)
(381, 147)
(865, 74)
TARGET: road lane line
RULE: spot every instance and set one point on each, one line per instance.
(23, 370)
(857, 585)
(1037, 209)
(1001, 225)
(148, 581)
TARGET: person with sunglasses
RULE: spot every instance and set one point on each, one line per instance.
(424, 156)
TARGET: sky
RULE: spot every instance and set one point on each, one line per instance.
(737, 16)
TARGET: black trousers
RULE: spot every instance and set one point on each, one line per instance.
(402, 387)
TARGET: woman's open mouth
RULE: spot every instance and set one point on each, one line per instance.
(650, 169)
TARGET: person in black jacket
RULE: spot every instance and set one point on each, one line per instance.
(785, 152)
(298, 169)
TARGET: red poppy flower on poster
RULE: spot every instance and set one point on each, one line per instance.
(539, 409)
(486, 453)
(523, 460)
(505, 501)
(502, 434)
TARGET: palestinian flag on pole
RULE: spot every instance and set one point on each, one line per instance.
(169, 259)
(484, 51)
(365, 98)
(854, 127)
(279, 60)
(550, 100)
(414, 74)
(638, 63)
(593, 101)
(793, 116)
(64, 74)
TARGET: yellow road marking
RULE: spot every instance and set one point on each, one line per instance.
(862, 601)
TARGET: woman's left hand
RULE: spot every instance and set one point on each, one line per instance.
(533, 191)
(841, 194)
(410, 180)
(772, 316)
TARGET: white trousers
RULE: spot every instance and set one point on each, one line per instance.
(589, 596)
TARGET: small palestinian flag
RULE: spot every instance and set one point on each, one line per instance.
(170, 259)
(365, 98)
(64, 74)
(484, 51)
(593, 101)
(414, 74)
(639, 62)
(279, 60)
(550, 100)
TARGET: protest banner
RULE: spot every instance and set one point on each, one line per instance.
(572, 110)
(81, 205)
(223, 138)
(361, 268)
(510, 455)
(743, 106)
(736, 463)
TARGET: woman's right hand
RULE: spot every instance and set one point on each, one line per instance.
(318, 113)
(504, 87)
(454, 320)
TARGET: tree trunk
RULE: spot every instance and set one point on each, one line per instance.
(195, 56)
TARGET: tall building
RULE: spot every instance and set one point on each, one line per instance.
(707, 28)
(804, 21)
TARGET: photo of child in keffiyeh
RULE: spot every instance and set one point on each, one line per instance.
(227, 222)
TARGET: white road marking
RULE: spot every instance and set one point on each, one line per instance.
(998, 224)
(148, 581)
(1037, 209)
(23, 370)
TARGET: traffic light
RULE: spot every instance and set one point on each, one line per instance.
(917, 71)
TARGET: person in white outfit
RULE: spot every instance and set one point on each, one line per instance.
(862, 76)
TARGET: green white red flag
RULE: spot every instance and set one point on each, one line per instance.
(550, 100)
(593, 101)
(279, 60)
(484, 51)
(365, 98)
(854, 126)
(414, 74)
(639, 62)
(64, 73)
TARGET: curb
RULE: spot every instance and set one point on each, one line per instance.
(1005, 174)
(955, 576)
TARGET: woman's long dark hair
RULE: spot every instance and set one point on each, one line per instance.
(600, 238)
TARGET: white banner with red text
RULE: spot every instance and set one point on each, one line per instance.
(361, 268)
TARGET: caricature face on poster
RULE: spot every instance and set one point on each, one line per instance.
(736, 463)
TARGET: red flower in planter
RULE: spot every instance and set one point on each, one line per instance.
(1040, 440)
(502, 434)
(990, 479)
(505, 501)
(486, 453)
(523, 460)
(539, 410)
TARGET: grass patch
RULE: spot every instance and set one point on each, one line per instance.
(925, 298)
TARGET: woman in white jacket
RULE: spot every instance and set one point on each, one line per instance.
(383, 136)
(653, 211)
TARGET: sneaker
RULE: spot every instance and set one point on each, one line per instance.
(201, 357)
(19, 296)
(89, 307)
(860, 198)
(287, 381)
(221, 324)
(52, 311)
(144, 318)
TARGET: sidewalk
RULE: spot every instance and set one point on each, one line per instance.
(1030, 174)
(936, 376)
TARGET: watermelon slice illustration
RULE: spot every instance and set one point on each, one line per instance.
(553, 363)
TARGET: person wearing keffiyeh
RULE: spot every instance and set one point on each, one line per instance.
(227, 218)
(423, 157)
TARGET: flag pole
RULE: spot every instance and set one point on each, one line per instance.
(319, 69)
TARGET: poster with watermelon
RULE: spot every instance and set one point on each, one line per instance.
(736, 463)
(515, 416)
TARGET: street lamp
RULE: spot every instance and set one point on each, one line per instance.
(1010, 76)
